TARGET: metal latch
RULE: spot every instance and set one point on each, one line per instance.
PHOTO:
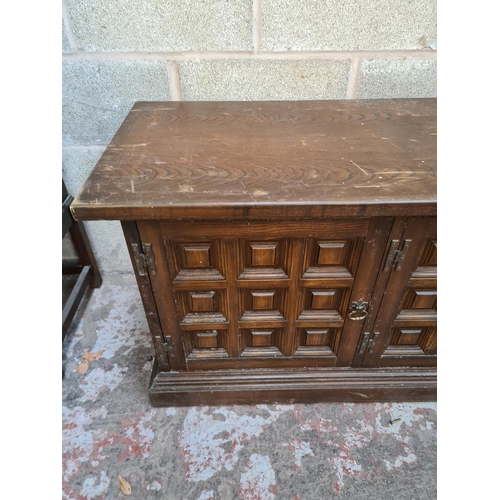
(368, 343)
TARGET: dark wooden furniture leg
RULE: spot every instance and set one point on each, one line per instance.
(87, 269)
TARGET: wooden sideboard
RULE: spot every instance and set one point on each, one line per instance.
(284, 251)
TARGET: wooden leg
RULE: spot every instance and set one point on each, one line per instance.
(74, 299)
(84, 251)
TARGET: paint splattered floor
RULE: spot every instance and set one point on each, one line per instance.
(308, 452)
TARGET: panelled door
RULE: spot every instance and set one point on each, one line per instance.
(264, 294)
(404, 332)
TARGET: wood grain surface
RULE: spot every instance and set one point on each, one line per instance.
(203, 160)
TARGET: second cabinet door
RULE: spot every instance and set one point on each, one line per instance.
(264, 294)
(404, 332)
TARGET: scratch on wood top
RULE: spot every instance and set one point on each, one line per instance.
(392, 172)
(356, 165)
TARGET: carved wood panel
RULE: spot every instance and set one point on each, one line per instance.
(261, 294)
(206, 344)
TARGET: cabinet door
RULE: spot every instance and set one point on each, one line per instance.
(404, 332)
(264, 294)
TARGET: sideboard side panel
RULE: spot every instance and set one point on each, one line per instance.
(163, 294)
(132, 237)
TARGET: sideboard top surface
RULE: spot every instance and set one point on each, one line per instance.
(203, 160)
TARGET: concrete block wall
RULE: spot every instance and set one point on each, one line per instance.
(121, 51)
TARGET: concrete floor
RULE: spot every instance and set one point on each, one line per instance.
(262, 452)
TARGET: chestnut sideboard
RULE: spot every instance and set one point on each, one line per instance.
(284, 251)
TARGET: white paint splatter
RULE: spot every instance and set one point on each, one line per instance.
(121, 329)
(259, 480)
(405, 412)
(141, 435)
(409, 459)
(300, 449)
(207, 495)
(97, 380)
(353, 439)
(321, 425)
(77, 442)
(213, 440)
(92, 490)
(345, 467)
(154, 486)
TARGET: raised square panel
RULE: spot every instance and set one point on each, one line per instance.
(195, 261)
(206, 345)
(261, 338)
(317, 337)
(322, 299)
(412, 342)
(330, 253)
(408, 336)
(420, 299)
(206, 340)
(199, 308)
(259, 260)
(425, 299)
(197, 256)
(263, 300)
(263, 254)
(317, 341)
(261, 305)
(323, 305)
(336, 260)
(261, 342)
(202, 301)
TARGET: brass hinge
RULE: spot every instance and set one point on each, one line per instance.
(395, 256)
(371, 342)
(168, 347)
(144, 261)
(401, 255)
(368, 342)
(364, 343)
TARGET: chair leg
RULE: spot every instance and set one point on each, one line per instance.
(71, 305)
(85, 252)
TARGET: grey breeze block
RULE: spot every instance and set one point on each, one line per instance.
(97, 95)
(254, 80)
(162, 25)
(353, 25)
(381, 79)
